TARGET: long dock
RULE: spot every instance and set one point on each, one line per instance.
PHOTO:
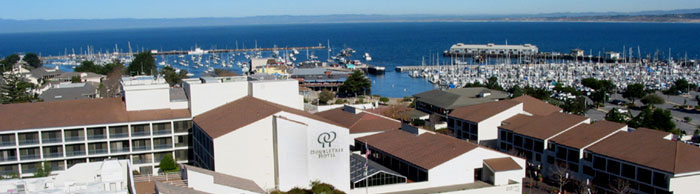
(180, 52)
(431, 67)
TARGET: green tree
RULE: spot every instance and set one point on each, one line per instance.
(615, 115)
(224, 72)
(143, 64)
(325, 96)
(653, 99)
(384, 99)
(599, 97)
(634, 92)
(173, 77)
(576, 105)
(16, 90)
(492, 83)
(516, 91)
(88, 66)
(167, 164)
(75, 79)
(659, 119)
(539, 93)
(474, 85)
(356, 84)
(591, 83)
(33, 60)
(42, 170)
(10, 60)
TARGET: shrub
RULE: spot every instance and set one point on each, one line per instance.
(339, 101)
(384, 99)
(167, 164)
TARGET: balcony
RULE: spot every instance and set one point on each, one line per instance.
(120, 150)
(30, 157)
(75, 153)
(97, 151)
(142, 160)
(97, 137)
(7, 143)
(51, 140)
(8, 159)
(53, 155)
(118, 135)
(74, 138)
(28, 142)
(162, 146)
(161, 132)
(182, 144)
(140, 133)
(142, 148)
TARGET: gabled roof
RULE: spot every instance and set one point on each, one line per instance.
(44, 71)
(78, 91)
(360, 123)
(536, 106)
(244, 111)
(457, 97)
(544, 127)
(67, 113)
(585, 134)
(479, 112)
(650, 150)
(426, 150)
(502, 164)
(228, 180)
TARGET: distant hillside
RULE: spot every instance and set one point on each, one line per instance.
(16, 26)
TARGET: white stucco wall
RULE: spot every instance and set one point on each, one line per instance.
(292, 154)
(460, 170)
(204, 182)
(247, 153)
(685, 184)
(488, 129)
(147, 97)
(207, 96)
(284, 92)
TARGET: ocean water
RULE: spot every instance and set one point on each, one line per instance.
(390, 44)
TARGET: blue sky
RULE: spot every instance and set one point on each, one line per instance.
(99, 9)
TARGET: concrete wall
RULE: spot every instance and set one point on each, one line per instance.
(460, 170)
(284, 92)
(685, 184)
(248, 153)
(204, 182)
(207, 96)
(147, 97)
(503, 177)
(488, 129)
(292, 154)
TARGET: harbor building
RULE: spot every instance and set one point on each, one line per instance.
(479, 123)
(435, 163)
(320, 78)
(442, 102)
(492, 49)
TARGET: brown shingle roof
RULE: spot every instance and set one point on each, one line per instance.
(585, 134)
(650, 150)
(242, 112)
(502, 164)
(483, 111)
(228, 180)
(546, 126)
(652, 132)
(361, 122)
(77, 112)
(536, 106)
(426, 150)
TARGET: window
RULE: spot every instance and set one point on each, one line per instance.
(587, 156)
(528, 143)
(503, 136)
(561, 153)
(182, 126)
(96, 133)
(573, 156)
(118, 131)
(503, 146)
(588, 171)
(628, 171)
(660, 180)
(539, 146)
(161, 128)
(613, 167)
(644, 175)
(510, 137)
(599, 163)
(550, 159)
(518, 141)
(551, 146)
(538, 157)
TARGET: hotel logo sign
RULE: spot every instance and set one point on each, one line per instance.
(326, 139)
(326, 151)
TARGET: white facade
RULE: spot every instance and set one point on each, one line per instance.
(284, 92)
(488, 128)
(460, 170)
(461, 48)
(212, 93)
(145, 93)
(284, 151)
(109, 176)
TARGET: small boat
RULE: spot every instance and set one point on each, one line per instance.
(367, 57)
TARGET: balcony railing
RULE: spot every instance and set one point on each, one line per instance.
(161, 132)
(9, 158)
(118, 135)
(7, 143)
(140, 133)
(29, 142)
(141, 160)
(182, 144)
(162, 146)
(120, 150)
(74, 138)
(53, 155)
(97, 137)
(76, 153)
(30, 157)
(142, 148)
(8, 172)
(51, 140)
(97, 151)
